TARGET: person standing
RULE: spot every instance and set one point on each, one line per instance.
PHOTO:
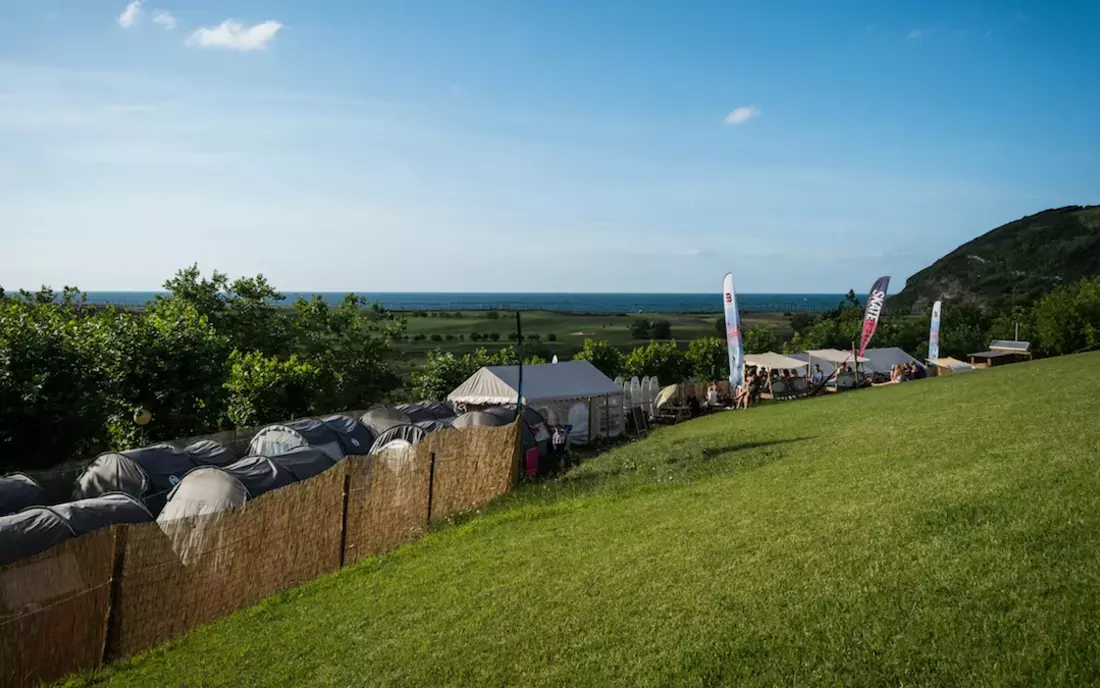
(559, 441)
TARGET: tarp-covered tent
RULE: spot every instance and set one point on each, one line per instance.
(378, 420)
(137, 472)
(571, 392)
(774, 361)
(880, 360)
(304, 462)
(19, 491)
(30, 532)
(304, 432)
(478, 419)
(355, 438)
(210, 453)
(259, 475)
(427, 410)
(948, 365)
(534, 431)
(96, 513)
(434, 425)
(399, 436)
(205, 490)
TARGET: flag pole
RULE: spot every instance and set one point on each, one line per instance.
(519, 354)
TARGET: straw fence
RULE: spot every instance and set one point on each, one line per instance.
(123, 590)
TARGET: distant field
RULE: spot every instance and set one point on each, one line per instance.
(944, 532)
(570, 329)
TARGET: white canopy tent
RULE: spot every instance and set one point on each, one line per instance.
(774, 361)
(570, 393)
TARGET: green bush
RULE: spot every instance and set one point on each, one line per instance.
(665, 360)
(605, 357)
(264, 389)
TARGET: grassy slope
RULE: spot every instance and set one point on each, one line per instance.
(938, 532)
(571, 329)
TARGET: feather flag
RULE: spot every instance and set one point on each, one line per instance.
(875, 301)
(733, 332)
(934, 333)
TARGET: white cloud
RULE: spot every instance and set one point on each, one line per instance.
(165, 19)
(234, 35)
(916, 34)
(742, 115)
(131, 15)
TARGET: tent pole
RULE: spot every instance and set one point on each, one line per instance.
(519, 349)
(607, 416)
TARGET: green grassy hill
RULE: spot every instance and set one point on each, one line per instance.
(1021, 260)
(940, 532)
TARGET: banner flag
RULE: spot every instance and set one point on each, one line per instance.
(934, 334)
(875, 301)
(733, 332)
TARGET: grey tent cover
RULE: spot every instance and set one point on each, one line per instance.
(409, 433)
(354, 437)
(134, 471)
(259, 475)
(19, 491)
(303, 463)
(304, 432)
(95, 513)
(433, 425)
(427, 410)
(478, 419)
(210, 453)
(379, 420)
(31, 531)
(531, 419)
(205, 490)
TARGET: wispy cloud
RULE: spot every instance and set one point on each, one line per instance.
(742, 114)
(164, 19)
(1019, 16)
(131, 15)
(233, 35)
(916, 34)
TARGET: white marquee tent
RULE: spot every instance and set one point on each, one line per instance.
(572, 393)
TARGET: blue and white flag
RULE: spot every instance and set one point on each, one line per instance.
(733, 332)
(934, 333)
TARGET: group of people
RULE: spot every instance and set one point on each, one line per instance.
(903, 372)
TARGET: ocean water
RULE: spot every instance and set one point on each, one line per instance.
(569, 303)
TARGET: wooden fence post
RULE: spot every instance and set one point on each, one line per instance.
(110, 620)
(344, 518)
(431, 486)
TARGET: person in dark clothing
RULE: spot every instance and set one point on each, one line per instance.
(693, 405)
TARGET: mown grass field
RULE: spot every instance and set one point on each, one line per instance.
(940, 532)
(570, 329)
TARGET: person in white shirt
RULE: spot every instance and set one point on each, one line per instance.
(817, 376)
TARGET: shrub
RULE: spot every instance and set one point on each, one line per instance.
(551, 337)
(605, 357)
(436, 337)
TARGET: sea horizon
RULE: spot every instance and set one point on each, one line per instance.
(571, 302)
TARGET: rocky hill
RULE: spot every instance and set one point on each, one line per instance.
(1021, 260)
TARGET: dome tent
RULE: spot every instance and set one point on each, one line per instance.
(399, 436)
(304, 462)
(259, 474)
(378, 420)
(427, 410)
(30, 532)
(477, 419)
(205, 490)
(434, 425)
(19, 491)
(210, 453)
(355, 438)
(534, 430)
(304, 432)
(137, 472)
(95, 513)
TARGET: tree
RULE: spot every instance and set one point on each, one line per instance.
(1068, 319)
(436, 337)
(709, 359)
(639, 329)
(266, 389)
(605, 357)
(442, 372)
(664, 360)
(551, 337)
(494, 336)
(761, 339)
(661, 329)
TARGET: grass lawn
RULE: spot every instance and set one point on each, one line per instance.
(941, 532)
(570, 329)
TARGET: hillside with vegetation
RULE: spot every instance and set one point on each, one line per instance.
(1017, 262)
(942, 532)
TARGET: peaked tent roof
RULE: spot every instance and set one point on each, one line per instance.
(774, 361)
(835, 355)
(546, 382)
(953, 364)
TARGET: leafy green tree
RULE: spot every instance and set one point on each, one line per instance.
(639, 329)
(605, 357)
(661, 329)
(664, 359)
(442, 371)
(760, 339)
(265, 389)
(709, 358)
(1067, 319)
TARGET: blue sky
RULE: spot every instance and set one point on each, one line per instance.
(533, 146)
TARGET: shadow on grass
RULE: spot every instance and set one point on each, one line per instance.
(712, 452)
